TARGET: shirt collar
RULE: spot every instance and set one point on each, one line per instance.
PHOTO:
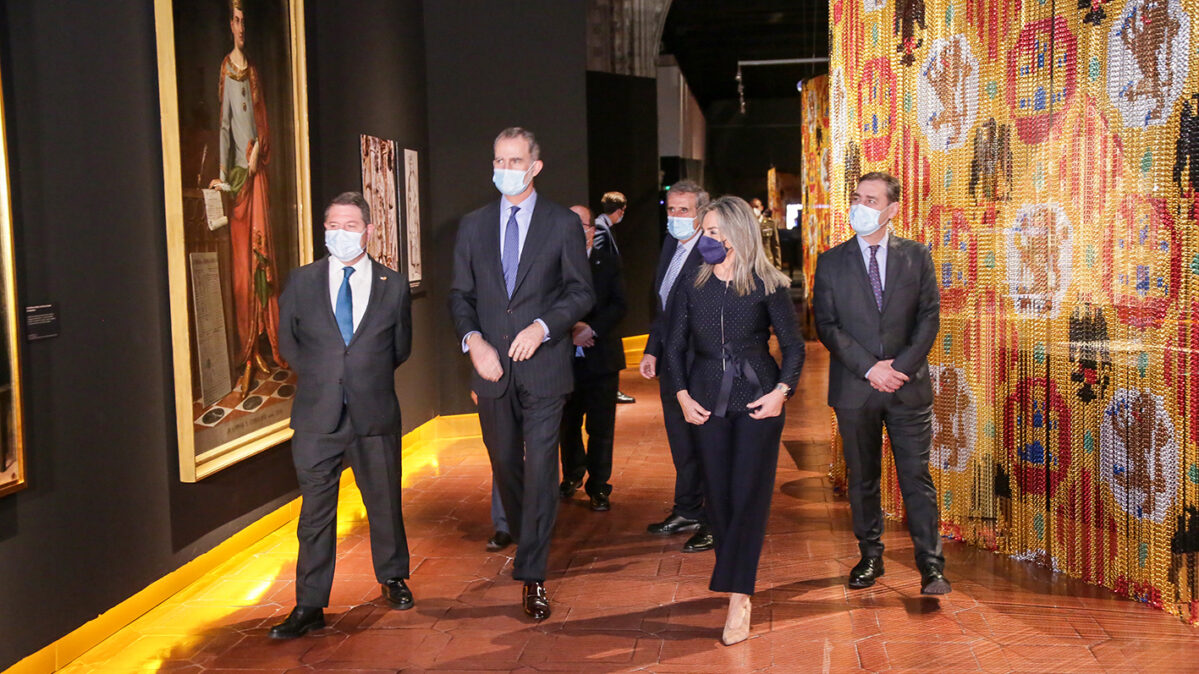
(360, 267)
(882, 244)
(526, 206)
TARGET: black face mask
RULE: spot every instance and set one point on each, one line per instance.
(713, 251)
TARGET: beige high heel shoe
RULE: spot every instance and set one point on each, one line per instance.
(736, 625)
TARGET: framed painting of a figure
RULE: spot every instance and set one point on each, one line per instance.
(235, 166)
(12, 440)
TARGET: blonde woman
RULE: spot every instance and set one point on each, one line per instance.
(733, 391)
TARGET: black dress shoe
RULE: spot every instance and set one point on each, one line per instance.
(396, 592)
(932, 581)
(673, 524)
(537, 603)
(300, 621)
(600, 503)
(866, 572)
(568, 487)
(623, 398)
(498, 541)
(701, 541)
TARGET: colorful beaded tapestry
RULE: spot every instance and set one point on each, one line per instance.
(1049, 154)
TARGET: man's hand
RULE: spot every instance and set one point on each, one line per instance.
(693, 412)
(526, 342)
(649, 366)
(885, 378)
(769, 405)
(484, 358)
(582, 335)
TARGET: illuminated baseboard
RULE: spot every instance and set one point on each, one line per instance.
(66, 649)
(633, 348)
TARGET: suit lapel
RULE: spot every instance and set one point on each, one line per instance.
(893, 263)
(378, 288)
(854, 250)
(322, 292)
(539, 226)
(492, 245)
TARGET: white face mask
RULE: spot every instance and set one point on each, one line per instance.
(680, 228)
(343, 244)
(864, 219)
(511, 182)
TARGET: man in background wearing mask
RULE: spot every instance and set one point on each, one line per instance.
(345, 325)
(599, 358)
(679, 260)
(770, 233)
(521, 281)
(877, 309)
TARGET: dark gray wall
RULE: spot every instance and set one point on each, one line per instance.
(622, 140)
(494, 64)
(105, 513)
(367, 76)
(742, 148)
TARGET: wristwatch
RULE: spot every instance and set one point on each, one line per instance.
(784, 388)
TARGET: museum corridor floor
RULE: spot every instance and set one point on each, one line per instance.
(624, 600)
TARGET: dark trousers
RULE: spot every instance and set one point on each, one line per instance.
(740, 456)
(910, 429)
(521, 434)
(594, 399)
(376, 464)
(688, 476)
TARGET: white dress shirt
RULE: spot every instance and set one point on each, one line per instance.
(360, 285)
(881, 256)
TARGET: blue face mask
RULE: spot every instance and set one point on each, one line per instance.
(713, 251)
(680, 228)
(511, 182)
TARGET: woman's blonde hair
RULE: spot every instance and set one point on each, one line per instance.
(739, 226)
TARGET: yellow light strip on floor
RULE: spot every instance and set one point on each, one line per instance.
(634, 347)
(66, 649)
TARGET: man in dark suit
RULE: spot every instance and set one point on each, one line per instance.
(680, 258)
(599, 358)
(521, 282)
(345, 325)
(877, 309)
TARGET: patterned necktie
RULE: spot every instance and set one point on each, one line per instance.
(876, 280)
(672, 273)
(511, 253)
(345, 307)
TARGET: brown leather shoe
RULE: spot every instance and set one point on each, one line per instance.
(536, 602)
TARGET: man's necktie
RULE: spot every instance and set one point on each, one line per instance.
(672, 273)
(876, 280)
(345, 307)
(511, 253)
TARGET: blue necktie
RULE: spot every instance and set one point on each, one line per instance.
(345, 307)
(511, 253)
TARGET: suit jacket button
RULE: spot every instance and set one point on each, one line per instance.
(509, 311)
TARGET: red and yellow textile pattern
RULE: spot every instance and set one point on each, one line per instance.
(1049, 154)
(817, 161)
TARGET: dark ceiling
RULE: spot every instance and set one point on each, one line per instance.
(708, 37)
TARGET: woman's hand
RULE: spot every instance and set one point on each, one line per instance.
(769, 405)
(693, 412)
